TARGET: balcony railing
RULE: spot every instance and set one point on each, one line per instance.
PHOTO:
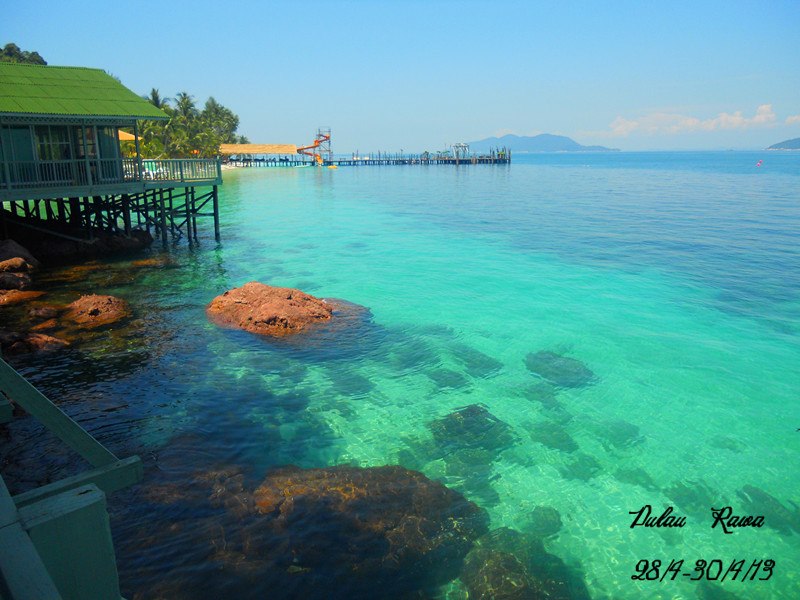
(55, 540)
(16, 175)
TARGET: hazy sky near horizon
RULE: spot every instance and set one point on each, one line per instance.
(422, 74)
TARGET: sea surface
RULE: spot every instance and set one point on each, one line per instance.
(667, 285)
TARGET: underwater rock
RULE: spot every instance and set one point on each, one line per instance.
(472, 427)
(267, 310)
(155, 262)
(636, 476)
(9, 249)
(228, 491)
(545, 521)
(472, 470)
(16, 296)
(583, 467)
(44, 312)
(95, 310)
(694, 497)
(776, 515)
(545, 394)
(14, 281)
(726, 442)
(710, 591)
(447, 378)
(550, 575)
(16, 265)
(476, 363)
(350, 383)
(366, 530)
(619, 433)
(553, 436)
(25, 343)
(493, 575)
(47, 325)
(559, 370)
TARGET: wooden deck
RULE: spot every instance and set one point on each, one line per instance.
(30, 180)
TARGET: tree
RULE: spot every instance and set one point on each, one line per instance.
(189, 132)
(12, 53)
(156, 100)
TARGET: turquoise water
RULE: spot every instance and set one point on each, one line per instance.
(673, 277)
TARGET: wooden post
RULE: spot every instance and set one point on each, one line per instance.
(188, 217)
(138, 153)
(126, 213)
(163, 219)
(86, 157)
(216, 213)
(75, 212)
(193, 230)
(171, 216)
(87, 215)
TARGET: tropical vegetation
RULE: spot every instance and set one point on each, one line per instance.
(12, 53)
(190, 131)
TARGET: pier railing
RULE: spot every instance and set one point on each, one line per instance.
(55, 540)
(35, 174)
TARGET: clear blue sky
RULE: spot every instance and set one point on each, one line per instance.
(420, 74)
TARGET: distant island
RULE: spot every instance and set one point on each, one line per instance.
(786, 145)
(544, 142)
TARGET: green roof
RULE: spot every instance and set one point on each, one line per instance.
(68, 91)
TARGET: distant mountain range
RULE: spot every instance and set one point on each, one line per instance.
(787, 145)
(544, 142)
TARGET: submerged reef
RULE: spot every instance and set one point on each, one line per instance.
(559, 370)
(776, 515)
(508, 565)
(365, 529)
(472, 427)
(553, 436)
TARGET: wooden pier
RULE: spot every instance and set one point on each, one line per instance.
(319, 153)
(502, 158)
(421, 159)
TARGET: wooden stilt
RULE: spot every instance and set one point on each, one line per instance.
(215, 196)
(163, 220)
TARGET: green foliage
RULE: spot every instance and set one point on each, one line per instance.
(190, 132)
(12, 53)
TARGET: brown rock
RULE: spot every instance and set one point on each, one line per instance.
(16, 265)
(43, 312)
(16, 296)
(23, 343)
(156, 262)
(95, 310)
(45, 325)
(11, 249)
(14, 281)
(267, 310)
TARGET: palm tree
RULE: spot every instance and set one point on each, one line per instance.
(156, 100)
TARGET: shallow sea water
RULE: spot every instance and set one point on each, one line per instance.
(673, 277)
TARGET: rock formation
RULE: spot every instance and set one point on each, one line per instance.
(268, 310)
(94, 310)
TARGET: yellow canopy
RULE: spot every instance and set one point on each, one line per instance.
(228, 149)
(125, 137)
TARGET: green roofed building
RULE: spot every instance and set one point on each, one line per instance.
(60, 132)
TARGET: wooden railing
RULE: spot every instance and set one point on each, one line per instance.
(16, 175)
(55, 540)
